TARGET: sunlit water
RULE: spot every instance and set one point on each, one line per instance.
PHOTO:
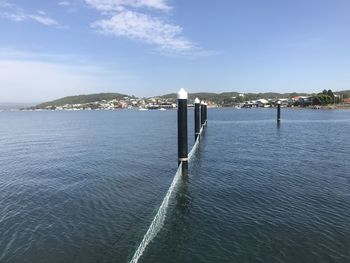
(85, 186)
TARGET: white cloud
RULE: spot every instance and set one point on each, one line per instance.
(20, 17)
(144, 28)
(45, 20)
(70, 6)
(42, 12)
(118, 5)
(14, 13)
(135, 20)
(64, 3)
(4, 3)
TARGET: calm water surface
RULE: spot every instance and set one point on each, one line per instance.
(84, 187)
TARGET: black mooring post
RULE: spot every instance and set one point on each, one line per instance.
(278, 111)
(202, 113)
(197, 125)
(182, 128)
(205, 112)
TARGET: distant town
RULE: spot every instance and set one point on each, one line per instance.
(121, 103)
(113, 101)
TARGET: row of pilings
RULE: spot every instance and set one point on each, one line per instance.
(200, 121)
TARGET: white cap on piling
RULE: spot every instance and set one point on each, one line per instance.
(182, 94)
(197, 101)
(279, 102)
(206, 103)
(202, 102)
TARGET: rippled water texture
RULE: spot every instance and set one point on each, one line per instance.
(85, 186)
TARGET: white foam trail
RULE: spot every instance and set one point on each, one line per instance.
(195, 146)
(158, 220)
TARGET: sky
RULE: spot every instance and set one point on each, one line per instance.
(55, 48)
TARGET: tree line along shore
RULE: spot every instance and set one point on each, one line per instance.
(327, 99)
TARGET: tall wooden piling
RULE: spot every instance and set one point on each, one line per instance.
(205, 112)
(197, 125)
(278, 111)
(202, 113)
(182, 127)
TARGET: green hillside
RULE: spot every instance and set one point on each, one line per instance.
(224, 98)
(215, 97)
(80, 99)
(228, 97)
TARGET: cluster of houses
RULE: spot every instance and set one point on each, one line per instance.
(346, 101)
(301, 101)
(161, 103)
(290, 102)
(125, 103)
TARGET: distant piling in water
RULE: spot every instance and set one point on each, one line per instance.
(182, 128)
(278, 111)
(197, 125)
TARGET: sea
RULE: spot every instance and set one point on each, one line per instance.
(84, 186)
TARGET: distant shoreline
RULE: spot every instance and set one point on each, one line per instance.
(332, 107)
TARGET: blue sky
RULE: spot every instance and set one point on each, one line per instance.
(50, 49)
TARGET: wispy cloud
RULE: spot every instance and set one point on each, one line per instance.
(145, 28)
(137, 20)
(20, 17)
(70, 6)
(4, 3)
(118, 5)
(64, 3)
(18, 14)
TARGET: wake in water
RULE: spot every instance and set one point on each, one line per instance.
(158, 220)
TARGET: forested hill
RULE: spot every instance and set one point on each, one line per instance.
(219, 98)
(227, 96)
(81, 99)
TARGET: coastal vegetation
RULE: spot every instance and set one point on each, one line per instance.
(83, 99)
(327, 97)
(224, 99)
